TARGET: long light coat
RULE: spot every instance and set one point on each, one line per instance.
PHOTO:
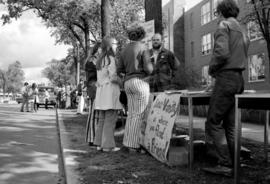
(107, 94)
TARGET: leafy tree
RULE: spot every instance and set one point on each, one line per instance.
(59, 72)
(12, 80)
(259, 12)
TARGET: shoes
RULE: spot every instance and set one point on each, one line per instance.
(219, 170)
(111, 149)
(21, 110)
(99, 148)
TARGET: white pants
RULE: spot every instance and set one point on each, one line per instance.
(80, 105)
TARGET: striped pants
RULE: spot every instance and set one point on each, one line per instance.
(138, 92)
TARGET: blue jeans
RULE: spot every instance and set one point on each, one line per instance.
(221, 113)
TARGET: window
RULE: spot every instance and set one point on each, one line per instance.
(191, 21)
(205, 13)
(206, 44)
(256, 68)
(192, 49)
(254, 32)
(214, 8)
(206, 78)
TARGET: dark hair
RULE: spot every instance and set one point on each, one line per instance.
(34, 86)
(136, 33)
(106, 46)
(95, 48)
(228, 8)
(26, 83)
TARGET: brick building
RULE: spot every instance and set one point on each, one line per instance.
(200, 24)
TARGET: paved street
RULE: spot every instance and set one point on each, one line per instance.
(29, 149)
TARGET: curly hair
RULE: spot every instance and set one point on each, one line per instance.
(228, 8)
(136, 33)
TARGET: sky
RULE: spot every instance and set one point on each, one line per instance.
(28, 40)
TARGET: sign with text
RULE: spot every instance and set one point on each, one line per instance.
(160, 122)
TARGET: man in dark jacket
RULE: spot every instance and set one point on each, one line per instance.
(165, 65)
(230, 54)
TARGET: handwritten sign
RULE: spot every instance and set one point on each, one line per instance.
(160, 122)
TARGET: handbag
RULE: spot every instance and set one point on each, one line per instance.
(123, 98)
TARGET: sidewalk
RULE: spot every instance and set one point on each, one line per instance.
(85, 165)
(29, 150)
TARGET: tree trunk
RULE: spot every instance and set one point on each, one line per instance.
(153, 11)
(105, 18)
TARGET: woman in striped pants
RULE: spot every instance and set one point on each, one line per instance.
(135, 64)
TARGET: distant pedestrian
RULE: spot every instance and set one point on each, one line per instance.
(107, 101)
(136, 67)
(228, 61)
(25, 96)
(91, 79)
(165, 66)
(80, 96)
(34, 96)
(47, 98)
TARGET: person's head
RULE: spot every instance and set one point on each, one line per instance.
(34, 86)
(81, 81)
(25, 84)
(109, 47)
(96, 49)
(157, 41)
(227, 9)
(136, 33)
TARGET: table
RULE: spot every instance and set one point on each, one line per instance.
(260, 101)
(193, 99)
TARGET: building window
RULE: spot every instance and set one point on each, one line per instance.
(254, 32)
(192, 49)
(256, 68)
(206, 44)
(214, 8)
(205, 13)
(206, 78)
(191, 21)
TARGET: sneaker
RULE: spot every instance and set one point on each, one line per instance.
(219, 170)
(111, 149)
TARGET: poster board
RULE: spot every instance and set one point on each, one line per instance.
(160, 122)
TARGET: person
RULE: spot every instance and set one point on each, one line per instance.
(136, 66)
(165, 66)
(228, 61)
(107, 96)
(91, 78)
(34, 95)
(25, 96)
(47, 96)
(80, 96)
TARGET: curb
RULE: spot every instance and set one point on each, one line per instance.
(66, 159)
(62, 168)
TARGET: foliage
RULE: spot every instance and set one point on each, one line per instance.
(259, 12)
(59, 72)
(11, 81)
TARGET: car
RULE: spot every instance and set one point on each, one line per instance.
(42, 97)
(19, 98)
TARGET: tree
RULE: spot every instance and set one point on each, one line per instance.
(11, 80)
(259, 12)
(59, 72)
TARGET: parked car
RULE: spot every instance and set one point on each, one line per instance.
(19, 98)
(42, 96)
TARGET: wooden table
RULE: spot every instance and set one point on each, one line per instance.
(260, 101)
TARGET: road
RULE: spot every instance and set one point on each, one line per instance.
(29, 147)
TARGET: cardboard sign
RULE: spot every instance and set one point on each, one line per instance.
(160, 123)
